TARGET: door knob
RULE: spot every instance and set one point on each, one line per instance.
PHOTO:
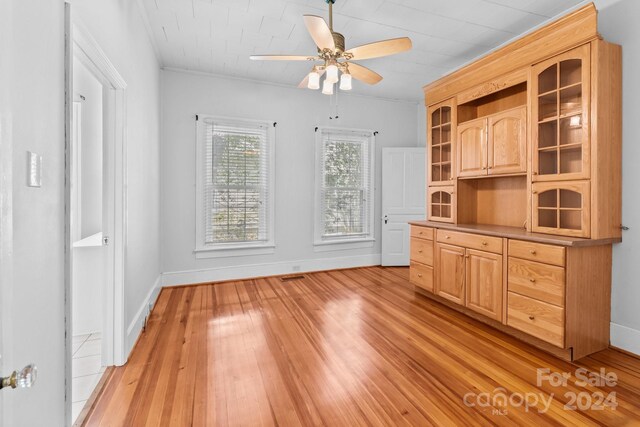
(23, 378)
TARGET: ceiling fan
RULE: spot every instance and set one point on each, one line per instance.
(335, 59)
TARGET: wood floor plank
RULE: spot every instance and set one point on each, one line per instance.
(352, 347)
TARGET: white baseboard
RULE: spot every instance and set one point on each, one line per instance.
(135, 327)
(268, 269)
(625, 338)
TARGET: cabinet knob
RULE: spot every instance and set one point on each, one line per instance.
(451, 179)
(419, 274)
(533, 251)
(420, 251)
(447, 237)
(534, 173)
(484, 243)
(532, 317)
(532, 280)
(534, 192)
(420, 233)
(466, 256)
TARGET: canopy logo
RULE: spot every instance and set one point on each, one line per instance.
(583, 390)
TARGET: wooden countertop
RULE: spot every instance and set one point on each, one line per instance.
(517, 233)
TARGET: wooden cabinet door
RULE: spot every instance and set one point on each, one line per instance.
(472, 148)
(562, 207)
(450, 273)
(441, 204)
(484, 283)
(507, 145)
(560, 116)
(441, 132)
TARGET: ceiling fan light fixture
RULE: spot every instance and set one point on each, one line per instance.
(314, 80)
(345, 81)
(332, 72)
(327, 87)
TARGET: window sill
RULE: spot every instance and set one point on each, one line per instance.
(340, 245)
(234, 251)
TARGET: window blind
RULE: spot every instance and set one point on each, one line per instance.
(345, 193)
(236, 187)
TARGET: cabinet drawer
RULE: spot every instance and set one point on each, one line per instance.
(422, 232)
(471, 241)
(537, 252)
(421, 275)
(422, 251)
(540, 281)
(536, 318)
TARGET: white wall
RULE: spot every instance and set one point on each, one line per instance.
(617, 21)
(297, 112)
(119, 29)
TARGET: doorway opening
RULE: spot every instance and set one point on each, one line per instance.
(87, 250)
(96, 206)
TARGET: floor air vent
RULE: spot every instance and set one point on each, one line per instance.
(290, 278)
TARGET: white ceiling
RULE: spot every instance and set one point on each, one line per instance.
(218, 36)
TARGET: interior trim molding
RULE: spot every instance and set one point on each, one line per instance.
(239, 272)
(135, 327)
(288, 86)
(625, 338)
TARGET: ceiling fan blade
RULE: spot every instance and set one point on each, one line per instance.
(364, 74)
(381, 48)
(320, 32)
(283, 58)
(305, 82)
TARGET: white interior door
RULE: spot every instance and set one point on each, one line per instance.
(403, 200)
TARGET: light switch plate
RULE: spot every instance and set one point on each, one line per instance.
(34, 169)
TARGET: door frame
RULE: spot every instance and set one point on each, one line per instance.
(81, 45)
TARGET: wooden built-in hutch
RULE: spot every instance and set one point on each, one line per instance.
(524, 187)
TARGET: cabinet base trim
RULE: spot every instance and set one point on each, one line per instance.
(564, 354)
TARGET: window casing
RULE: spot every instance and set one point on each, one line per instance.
(234, 194)
(344, 190)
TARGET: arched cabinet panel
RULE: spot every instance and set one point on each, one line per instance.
(440, 137)
(562, 208)
(560, 115)
(442, 204)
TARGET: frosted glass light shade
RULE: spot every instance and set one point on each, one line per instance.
(345, 82)
(327, 87)
(332, 73)
(314, 80)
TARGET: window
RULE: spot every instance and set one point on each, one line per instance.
(235, 184)
(344, 186)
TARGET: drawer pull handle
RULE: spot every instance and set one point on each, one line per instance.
(532, 280)
(447, 237)
(420, 233)
(484, 243)
(420, 251)
(419, 275)
(532, 317)
(533, 251)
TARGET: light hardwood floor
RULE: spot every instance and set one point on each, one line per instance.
(341, 348)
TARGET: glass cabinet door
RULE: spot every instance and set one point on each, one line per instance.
(441, 203)
(560, 117)
(441, 131)
(562, 208)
